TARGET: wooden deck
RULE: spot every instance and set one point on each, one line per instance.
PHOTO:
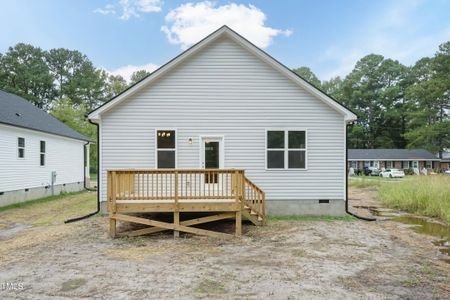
(223, 193)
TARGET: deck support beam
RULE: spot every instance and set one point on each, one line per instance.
(170, 226)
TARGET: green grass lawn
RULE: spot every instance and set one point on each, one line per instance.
(373, 181)
(50, 210)
(424, 195)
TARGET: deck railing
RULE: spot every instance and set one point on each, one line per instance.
(175, 186)
(207, 184)
(254, 198)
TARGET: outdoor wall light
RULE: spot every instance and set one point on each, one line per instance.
(190, 141)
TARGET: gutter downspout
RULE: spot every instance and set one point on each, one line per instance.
(88, 188)
(346, 181)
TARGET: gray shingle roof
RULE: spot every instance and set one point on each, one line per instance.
(17, 111)
(390, 154)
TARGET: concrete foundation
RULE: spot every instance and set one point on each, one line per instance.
(292, 207)
(103, 208)
(23, 195)
(305, 207)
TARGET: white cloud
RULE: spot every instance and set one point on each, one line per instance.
(107, 10)
(189, 23)
(126, 71)
(396, 33)
(127, 9)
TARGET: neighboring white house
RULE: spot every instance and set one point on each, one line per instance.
(224, 103)
(33, 146)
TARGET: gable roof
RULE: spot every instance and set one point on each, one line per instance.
(225, 31)
(390, 154)
(16, 111)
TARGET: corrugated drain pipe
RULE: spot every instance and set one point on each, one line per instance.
(88, 188)
(346, 181)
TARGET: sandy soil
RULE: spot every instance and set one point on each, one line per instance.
(312, 259)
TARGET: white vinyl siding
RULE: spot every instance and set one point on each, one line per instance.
(63, 155)
(226, 91)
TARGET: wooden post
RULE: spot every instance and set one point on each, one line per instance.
(176, 213)
(242, 189)
(238, 223)
(238, 193)
(235, 186)
(112, 222)
(112, 226)
(176, 221)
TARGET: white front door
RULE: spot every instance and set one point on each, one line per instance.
(211, 154)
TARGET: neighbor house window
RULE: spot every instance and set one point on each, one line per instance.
(389, 164)
(21, 147)
(428, 164)
(165, 149)
(42, 153)
(286, 149)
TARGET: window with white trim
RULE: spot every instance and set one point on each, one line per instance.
(286, 149)
(21, 147)
(42, 153)
(165, 149)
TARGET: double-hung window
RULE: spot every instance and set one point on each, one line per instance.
(166, 149)
(286, 149)
(21, 147)
(42, 153)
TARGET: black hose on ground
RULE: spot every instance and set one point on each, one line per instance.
(346, 183)
(88, 188)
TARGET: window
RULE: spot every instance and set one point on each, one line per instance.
(428, 164)
(21, 147)
(42, 153)
(165, 149)
(286, 149)
(389, 164)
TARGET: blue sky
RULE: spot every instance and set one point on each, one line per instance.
(327, 36)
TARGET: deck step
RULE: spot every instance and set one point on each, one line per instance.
(257, 220)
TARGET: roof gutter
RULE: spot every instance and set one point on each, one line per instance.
(88, 188)
(346, 180)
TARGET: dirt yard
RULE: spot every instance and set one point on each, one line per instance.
(42, 258)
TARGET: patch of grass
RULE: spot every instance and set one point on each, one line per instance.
(72, 284)
(299, 252)
(50, 210)
(364, 182)
(275, 218)
(424, 195)
(209, 286)
(37, 201)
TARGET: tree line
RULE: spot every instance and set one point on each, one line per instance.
(46, 77)
(397, 106)
(63, 82)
